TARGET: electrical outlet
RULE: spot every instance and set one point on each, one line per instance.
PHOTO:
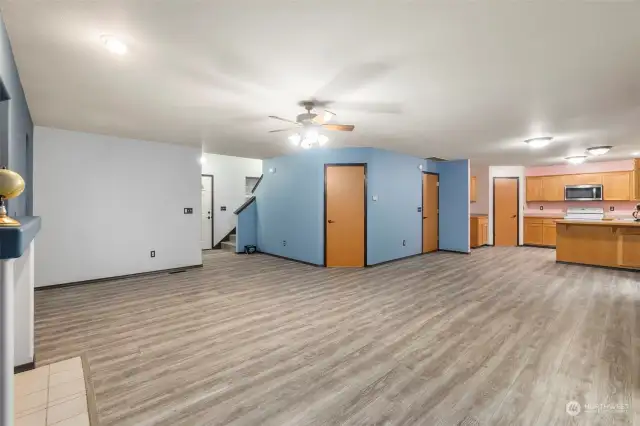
(188, 210)
(223, 208)
(404, 243)
(541, 207)
(284, 242)
(419, 209)
(612, 208)
(153, 253)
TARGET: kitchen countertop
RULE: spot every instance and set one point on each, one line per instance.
(627, 223)
(545, 216)
(479, 215)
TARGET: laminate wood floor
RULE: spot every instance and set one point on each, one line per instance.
(504, 336)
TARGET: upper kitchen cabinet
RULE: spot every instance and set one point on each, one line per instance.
(584, 179)
(553, 188)
(473, 190)
(616, 186)
(534, 188)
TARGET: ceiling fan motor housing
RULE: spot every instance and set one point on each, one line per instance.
(306, 117)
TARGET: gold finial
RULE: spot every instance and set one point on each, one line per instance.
(11, 185)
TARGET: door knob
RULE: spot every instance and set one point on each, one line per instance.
(331, 221)
(208, 217)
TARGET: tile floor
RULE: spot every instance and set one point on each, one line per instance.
(52, 395)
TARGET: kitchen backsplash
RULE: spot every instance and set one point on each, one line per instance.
(621, 208)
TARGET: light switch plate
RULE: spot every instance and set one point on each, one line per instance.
(374, 198)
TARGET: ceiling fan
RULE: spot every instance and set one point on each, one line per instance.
(311, 124)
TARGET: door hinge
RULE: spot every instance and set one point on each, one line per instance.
(437, 183)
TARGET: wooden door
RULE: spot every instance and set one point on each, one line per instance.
(429, 212)
(505, 212)
(616, 186)
(345, 204)
(485, 233)
(534, 189)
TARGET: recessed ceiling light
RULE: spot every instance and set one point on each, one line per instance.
(599, 150)
(576, 159)
(203, 159)
(114, 45)
(539, 142)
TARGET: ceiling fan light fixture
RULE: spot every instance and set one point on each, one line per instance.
(539, 142)
(305, 144)
(311, 136)
(295, 139)
(576, 159)
(599, 150)
(322, 139)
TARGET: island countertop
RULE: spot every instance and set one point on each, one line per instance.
(610, 243)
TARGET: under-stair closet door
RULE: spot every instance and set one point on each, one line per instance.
(345, 215)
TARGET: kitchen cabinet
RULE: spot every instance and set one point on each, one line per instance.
(534, 188)
(636, 185)
(549, 232)
(473, 190)
(532, 232)
(553, 188)
(616, 186)
(584, 179)
(479, 228)
(539, 231)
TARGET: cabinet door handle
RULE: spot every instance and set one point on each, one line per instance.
(514, 216)
(331, 221)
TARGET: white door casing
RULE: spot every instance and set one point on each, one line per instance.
(207, 212)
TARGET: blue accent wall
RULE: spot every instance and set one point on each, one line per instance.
(246, 228)
(454, 205)
(397, 182)
(290, 204)
(16, 127)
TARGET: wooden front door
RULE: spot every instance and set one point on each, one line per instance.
(345, 227)
(505, 213)
(429, 212)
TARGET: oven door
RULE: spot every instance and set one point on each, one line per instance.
(583, 192)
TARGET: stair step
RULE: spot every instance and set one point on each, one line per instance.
(228, 246)
(232, 238)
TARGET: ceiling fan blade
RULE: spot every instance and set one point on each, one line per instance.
(282, 130)
(340, 127)
(282, 119)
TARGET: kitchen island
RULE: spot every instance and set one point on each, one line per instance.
(609, 243)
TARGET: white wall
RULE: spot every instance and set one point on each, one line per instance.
(481, 206)
(106, 202)
(507, 171)
(229, 175)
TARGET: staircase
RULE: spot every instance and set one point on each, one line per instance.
(229, 245)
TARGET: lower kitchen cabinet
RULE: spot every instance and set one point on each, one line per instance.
(539, 231)
(479, 228)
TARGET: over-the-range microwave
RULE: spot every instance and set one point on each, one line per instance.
(583, 193)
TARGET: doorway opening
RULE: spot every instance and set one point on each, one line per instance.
(506, 211)
(207, 227)
(345, 215)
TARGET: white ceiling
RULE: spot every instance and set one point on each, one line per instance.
(461, 79)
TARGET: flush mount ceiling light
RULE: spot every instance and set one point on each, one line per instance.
(576, 159)
(114, 45)
(539, 142)
(599, 150)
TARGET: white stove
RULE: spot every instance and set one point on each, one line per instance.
(584, 213)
